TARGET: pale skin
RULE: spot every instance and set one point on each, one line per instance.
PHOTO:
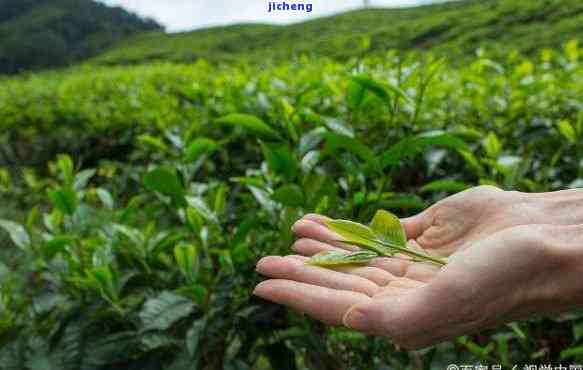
(511, 256)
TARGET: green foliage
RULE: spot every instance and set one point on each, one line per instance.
(455, 28)
(48, 33)
(138, 249)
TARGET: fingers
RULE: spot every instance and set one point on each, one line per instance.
(320, 219)
(309, 247)
(306, 228)
(376, 275)
(324, 304)
(295, 269)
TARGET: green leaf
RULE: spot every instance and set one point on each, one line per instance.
(576, 351)
(199, 147)
(154, 341)
(410, 147)
(338, 143)
(56, 245)
(402, 201)
(203, 210)
(338, 126)
(577, 329)
(17, 233)
(492, 145)
(280, 160)
(105, 198)
(355, 95)
(196, 292)
(187, 259)
(65, 164)
(387, 228)
(353, 232)
(164, 310)
(381, 90)
(165, 181)
(449, 186)
(106, 279)
(65, 200)
(152, 142)
(82, 179)
(567, 130)
(250, 123)
(220, 200)
(194, 336)
(372, 85)
(337, 258)
(289, 195)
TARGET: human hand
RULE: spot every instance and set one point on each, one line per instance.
(507, 276)
(467, 217)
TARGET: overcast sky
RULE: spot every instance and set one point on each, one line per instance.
(180, 15)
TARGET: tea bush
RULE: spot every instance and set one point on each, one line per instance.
(136, 248)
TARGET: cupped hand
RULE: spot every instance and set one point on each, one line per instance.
(508, 275)
(469, 216)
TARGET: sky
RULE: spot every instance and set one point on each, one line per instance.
(182, 15)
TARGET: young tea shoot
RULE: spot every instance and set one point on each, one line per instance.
(383, 237)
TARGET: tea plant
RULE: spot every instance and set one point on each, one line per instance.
(383, 237)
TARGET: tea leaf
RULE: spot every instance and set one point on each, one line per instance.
(199, 147)
(105, 198)
(411, 146)
(161, 312)
(17, 233)
(165, 181)
(152, 142)
(65, 200)
(65, 164)
(250, 123)
(280, 160)
(289, 195)
(450, 186)
(187, 260)
(387, 228)
(353, 232)
(567, 130)
(336, 258)
(82, 178)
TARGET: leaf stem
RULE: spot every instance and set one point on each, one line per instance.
(423, 256)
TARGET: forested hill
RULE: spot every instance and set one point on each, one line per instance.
(47, 33)
(454, 28)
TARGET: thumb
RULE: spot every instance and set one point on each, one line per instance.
(415, 226)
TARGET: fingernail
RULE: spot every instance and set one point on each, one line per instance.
(356, 319)
(295, 225)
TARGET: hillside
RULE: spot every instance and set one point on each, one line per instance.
(455, 28)
(48, 33)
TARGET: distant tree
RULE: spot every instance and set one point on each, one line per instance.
(37, 34)
(366, 3)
